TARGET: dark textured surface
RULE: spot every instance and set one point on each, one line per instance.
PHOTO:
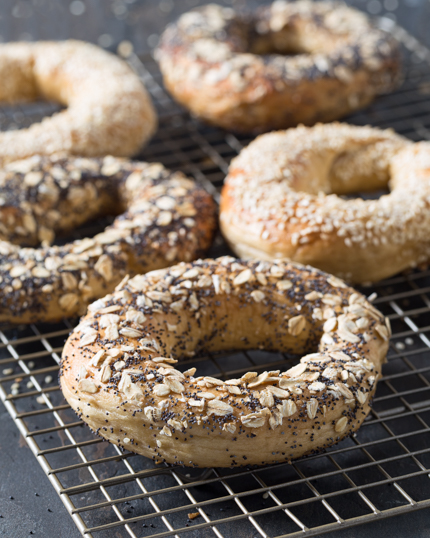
(109, 23)
(22, 478)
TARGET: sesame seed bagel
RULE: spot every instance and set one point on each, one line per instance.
(163, 218)
(284, 64)
(118, 374)
(108, 111)
(281, 199)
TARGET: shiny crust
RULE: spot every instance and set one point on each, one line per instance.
(164, 218)
(278, 200)
(108, 111)
(231, 69)
(118, 374)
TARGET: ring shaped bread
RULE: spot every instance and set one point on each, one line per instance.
(163, 218)
(281, 199)
(108, 111)
(287, 63)
(118, 372)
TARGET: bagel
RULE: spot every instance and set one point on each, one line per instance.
(236, 71)
(163, 218)
(281, 199)
(108, 111)
(127, 389)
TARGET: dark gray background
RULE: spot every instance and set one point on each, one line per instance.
(109, 23)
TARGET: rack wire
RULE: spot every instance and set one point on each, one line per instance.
(381, 471)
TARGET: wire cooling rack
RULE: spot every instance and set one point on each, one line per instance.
(382, 471)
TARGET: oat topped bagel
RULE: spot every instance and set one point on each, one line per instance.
(108, 110)
(283, 64)
(119, 373)
(281, 199)
(163, 217)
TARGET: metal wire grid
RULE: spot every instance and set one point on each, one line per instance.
(381, 471)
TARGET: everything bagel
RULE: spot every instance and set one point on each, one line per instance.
(163, 218)
(281, 199)
(108, 111)
(237, 71)
(127, 389)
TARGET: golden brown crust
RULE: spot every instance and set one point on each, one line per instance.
(231, 70)
(118, 374)
(108, 109)
(163, 218)
(281, 200)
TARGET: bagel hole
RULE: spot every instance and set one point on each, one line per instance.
(366, 195)
(14, 116)
(292, 39)
(87, 229)
(347, 177)
(272, 45)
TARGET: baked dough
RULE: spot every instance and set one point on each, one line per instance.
(163, 218)
(118, 369)
(108, 110)
(282, 199)
(237, 71)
